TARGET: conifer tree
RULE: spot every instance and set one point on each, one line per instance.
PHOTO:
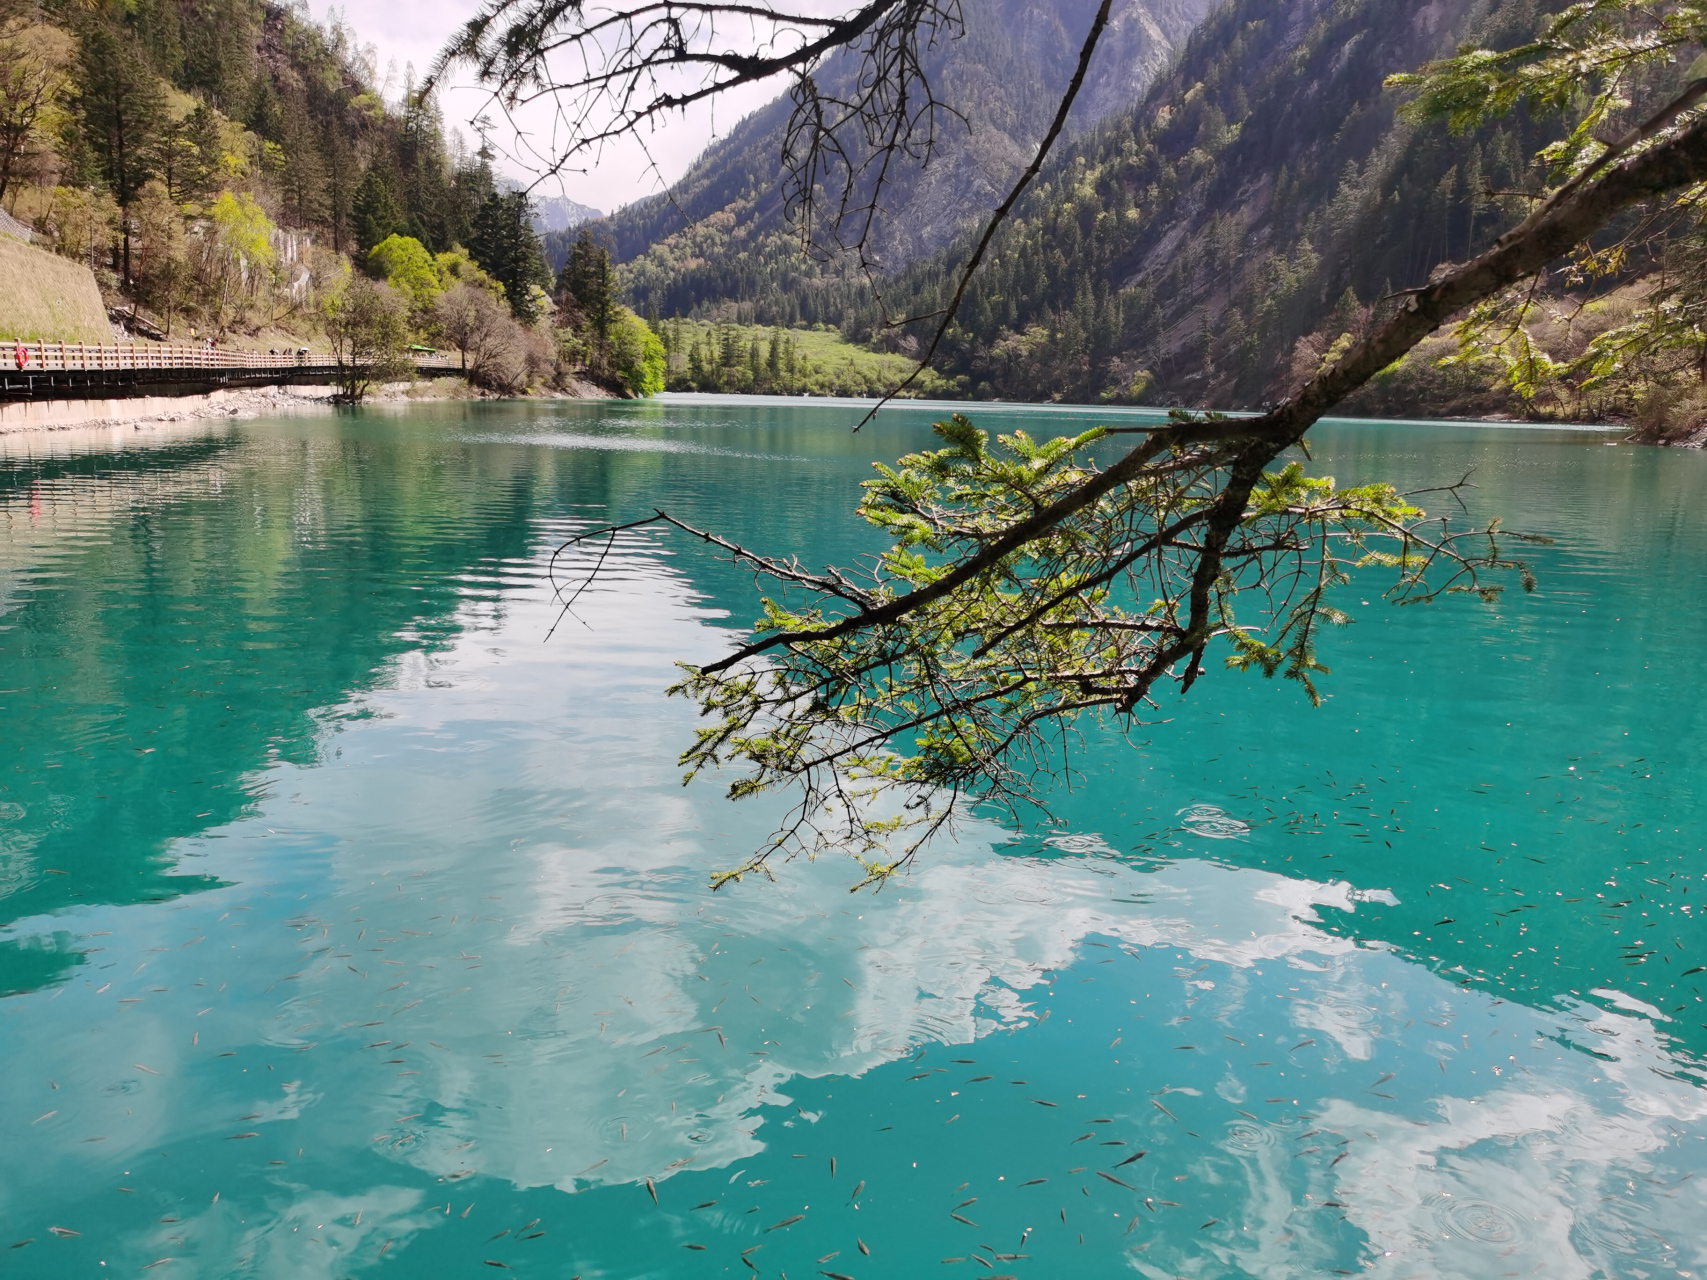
(586, 287)
(505, 245)
(123, 109)
(374, 213)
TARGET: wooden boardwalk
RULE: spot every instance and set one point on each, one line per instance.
(76, 370)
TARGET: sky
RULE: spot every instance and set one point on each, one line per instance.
(406, 32)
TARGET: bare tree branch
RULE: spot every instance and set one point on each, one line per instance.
(614, 71)
(948, 313)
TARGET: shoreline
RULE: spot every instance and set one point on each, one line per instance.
(37, 417)
(32, 417)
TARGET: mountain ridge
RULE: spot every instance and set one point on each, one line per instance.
(718, 237)
(1265, 189)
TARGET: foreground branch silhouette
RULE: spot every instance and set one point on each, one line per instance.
(1027, 585)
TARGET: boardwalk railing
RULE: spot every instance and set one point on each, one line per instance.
(58, 357)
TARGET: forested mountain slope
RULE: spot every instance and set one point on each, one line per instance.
(1264, 191)
(186, 98)
(233, 170)
(717, 242)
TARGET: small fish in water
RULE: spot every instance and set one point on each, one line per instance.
(786, 1222)
(967, 1221)
(857, 1189)
(651, 1190)
(832, 1254)
(706, 1205)
(832, 1166)
(964, 1203)
(1034, 1182)
(1130, 1159)
(1117, 1182)
(862, 1248)
(697, 1248)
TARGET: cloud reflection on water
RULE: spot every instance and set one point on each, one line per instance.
(591, 1015)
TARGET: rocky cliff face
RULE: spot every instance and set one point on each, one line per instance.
(1005, 77)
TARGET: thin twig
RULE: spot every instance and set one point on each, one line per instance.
(1001, 215)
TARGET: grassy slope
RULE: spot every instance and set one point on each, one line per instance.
(47, 298)
(826, 363)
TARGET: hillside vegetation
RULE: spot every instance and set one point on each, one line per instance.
(749, 359)
(233, 170)
(1245, 218)
(1256, 213)
(1264, 190)
(718, 245)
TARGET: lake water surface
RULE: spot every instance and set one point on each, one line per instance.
(349, 927)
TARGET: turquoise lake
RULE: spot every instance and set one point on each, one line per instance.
(348, 926)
